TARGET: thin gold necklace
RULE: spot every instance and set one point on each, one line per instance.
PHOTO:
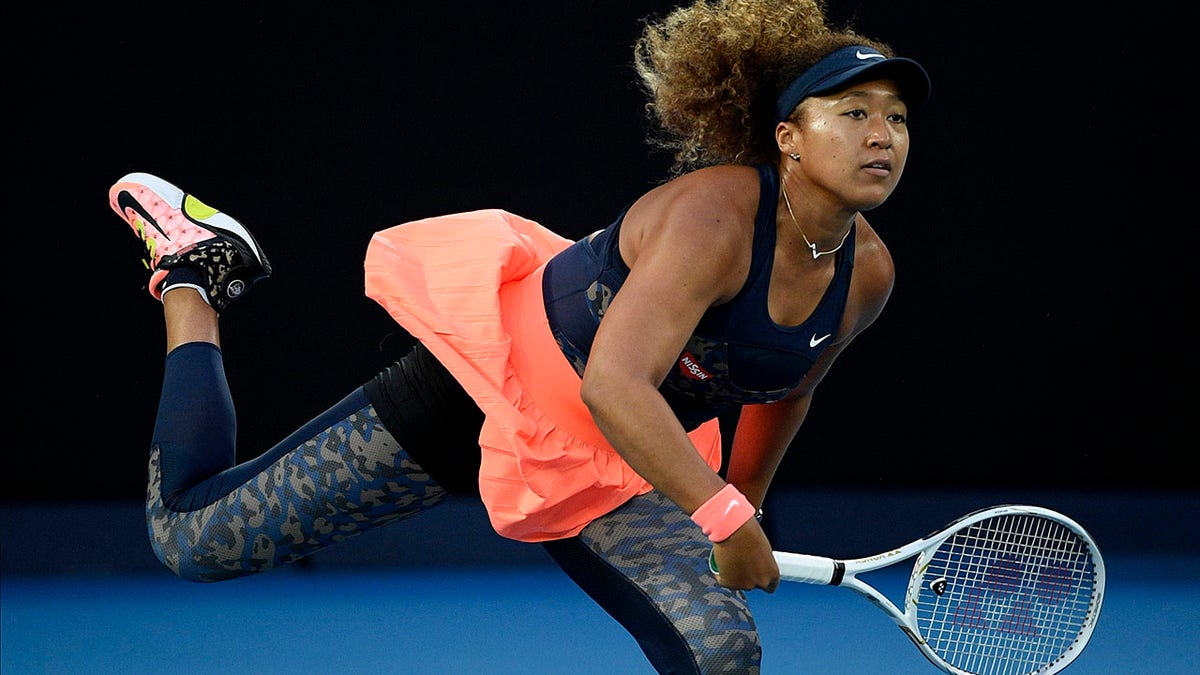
(811, 246)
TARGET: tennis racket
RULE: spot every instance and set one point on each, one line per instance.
(1006, 590)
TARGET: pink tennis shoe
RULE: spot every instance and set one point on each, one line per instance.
(179, 230)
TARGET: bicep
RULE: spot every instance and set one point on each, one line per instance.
(678, 274)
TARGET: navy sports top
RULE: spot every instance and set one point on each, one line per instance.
(737, 354)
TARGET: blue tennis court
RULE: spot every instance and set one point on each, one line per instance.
(371, 605)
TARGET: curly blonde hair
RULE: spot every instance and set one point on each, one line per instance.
(713, 69)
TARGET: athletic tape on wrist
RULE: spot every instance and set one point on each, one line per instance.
(723, 513)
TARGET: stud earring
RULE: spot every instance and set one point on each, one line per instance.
(795, 156)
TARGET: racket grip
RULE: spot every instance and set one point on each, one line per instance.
(808, 569)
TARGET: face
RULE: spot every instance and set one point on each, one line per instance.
(852, 143)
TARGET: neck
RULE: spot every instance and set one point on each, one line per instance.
(821, 234)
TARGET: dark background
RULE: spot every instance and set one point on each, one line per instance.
(1025, 343)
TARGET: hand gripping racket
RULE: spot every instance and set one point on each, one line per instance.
(1006, 590)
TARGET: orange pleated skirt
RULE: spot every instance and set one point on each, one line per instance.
(469, 286)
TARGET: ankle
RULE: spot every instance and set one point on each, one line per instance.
(189, 317)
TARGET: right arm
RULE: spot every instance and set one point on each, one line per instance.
(688, 247)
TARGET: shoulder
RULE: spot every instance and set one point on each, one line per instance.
(704, 219)
(712, 200)
(724, 184)
(874, 274)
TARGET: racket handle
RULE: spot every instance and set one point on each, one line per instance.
(808, 569)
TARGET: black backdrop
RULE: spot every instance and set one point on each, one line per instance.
(1014, 352)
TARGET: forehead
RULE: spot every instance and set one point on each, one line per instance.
(885, 87)
(884, 91)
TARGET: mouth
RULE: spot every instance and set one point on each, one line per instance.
(878, 167)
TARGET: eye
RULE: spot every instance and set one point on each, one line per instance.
(897, 118)
(857, 113)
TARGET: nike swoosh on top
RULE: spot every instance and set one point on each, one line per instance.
(732, 505)
(127, 201)
(863, 57)
(814, 340)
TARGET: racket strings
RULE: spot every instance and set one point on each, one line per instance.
(1009, 594)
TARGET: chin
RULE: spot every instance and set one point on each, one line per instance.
(873, 200)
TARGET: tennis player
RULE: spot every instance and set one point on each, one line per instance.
(574, 386)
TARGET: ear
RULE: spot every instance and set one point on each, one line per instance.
(787, 137)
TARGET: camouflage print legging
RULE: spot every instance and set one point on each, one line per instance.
(344, 473)
(346, 479)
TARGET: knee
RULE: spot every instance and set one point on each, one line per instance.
(190, 566)
(704, 649)
(175, 543)
(728, 651)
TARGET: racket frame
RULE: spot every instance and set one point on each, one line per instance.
(812, 569)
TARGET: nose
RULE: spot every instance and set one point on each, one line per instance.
(879, 136)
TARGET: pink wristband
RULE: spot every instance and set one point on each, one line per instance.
(723, 513)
